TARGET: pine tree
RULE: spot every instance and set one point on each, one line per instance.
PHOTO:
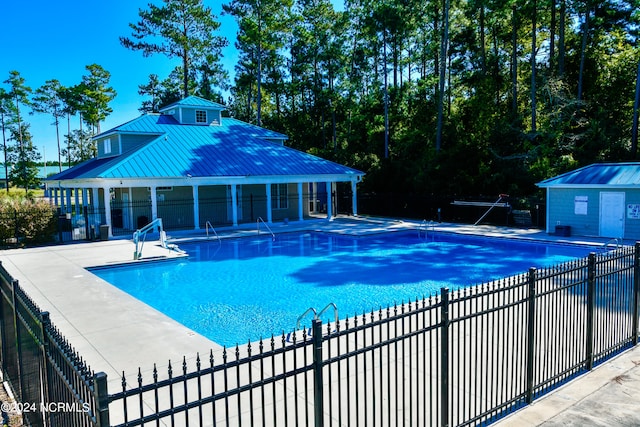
(48, 100)
(179, 28)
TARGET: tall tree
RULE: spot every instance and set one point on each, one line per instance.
(48, 100)
(444, 53)
(263, 25)
(179, 28)
(19, 93)
(5, 108)
(72, 102)
(80, 146)
(24, 159)
(152, 89)
(96, 94)
(636, 107)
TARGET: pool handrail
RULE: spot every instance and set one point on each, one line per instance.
(616, 242)
(303, 315)
(318, 315)
(335, 312)
(206, 228)
(428, 226)
(142, 232)
(273, 236)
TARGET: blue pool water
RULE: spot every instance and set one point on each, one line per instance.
(245, 289)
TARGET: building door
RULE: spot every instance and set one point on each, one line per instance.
(611, 214)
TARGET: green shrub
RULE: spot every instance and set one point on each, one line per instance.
(26, 220)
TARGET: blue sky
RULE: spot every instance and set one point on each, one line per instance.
(55, 40)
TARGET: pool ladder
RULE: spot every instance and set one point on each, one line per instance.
(427, 226)
(316, 316)
(208, 225)
(259, 220)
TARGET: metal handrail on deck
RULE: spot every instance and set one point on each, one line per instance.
(616, 244)
(206, 227)
(273, 236)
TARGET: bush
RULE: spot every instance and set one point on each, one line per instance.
(26, 220)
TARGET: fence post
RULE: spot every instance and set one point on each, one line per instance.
(102, 399)
(85, 214)
(45, 325)
(531, 333)
(3, 328)
(16, 325)
(591, 297)
(444, 356)
(317, 373)
(636, 291)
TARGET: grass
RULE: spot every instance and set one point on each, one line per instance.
(19, 192)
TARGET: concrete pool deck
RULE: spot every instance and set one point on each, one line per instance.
(115, 332)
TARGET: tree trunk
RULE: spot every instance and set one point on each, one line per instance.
(69, 138)
(634, 128)
(514, 63)
(552, 37)
(533, 66)
(483, 53)
(259, 87)
(386, 95)
(583, 52)
(6, 163)
(561, 49)
(55, 113)
(444, 49)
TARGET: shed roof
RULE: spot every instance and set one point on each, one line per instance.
(233, 148)
(598, 175)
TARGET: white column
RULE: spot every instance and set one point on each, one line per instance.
(55, 198)
(234, 204)
(314, 196)
(196, 209)
(77, 195)
(269, 205)
(68, 202)
(95, 207)
(107, 208)
(329, 202)
(300, 201)
(154, 204)
(354, 198)
(61, 205)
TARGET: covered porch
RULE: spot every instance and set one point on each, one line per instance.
(123, 206)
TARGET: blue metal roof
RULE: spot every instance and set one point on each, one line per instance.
(598, 174)
(234, 148)
(194, 101)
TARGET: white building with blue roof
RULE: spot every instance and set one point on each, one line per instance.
(189, 165)
(601, 199)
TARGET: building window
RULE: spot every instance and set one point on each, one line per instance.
(201, 116)
(279, 196)
(107, 146)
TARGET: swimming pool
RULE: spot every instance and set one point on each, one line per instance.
(244, 289)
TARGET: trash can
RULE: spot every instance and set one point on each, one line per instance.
(563, 230)
(104, 232)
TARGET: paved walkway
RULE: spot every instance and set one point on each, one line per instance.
(115, 332)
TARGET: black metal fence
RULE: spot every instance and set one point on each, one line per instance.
(53, 384)
(460, 358)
